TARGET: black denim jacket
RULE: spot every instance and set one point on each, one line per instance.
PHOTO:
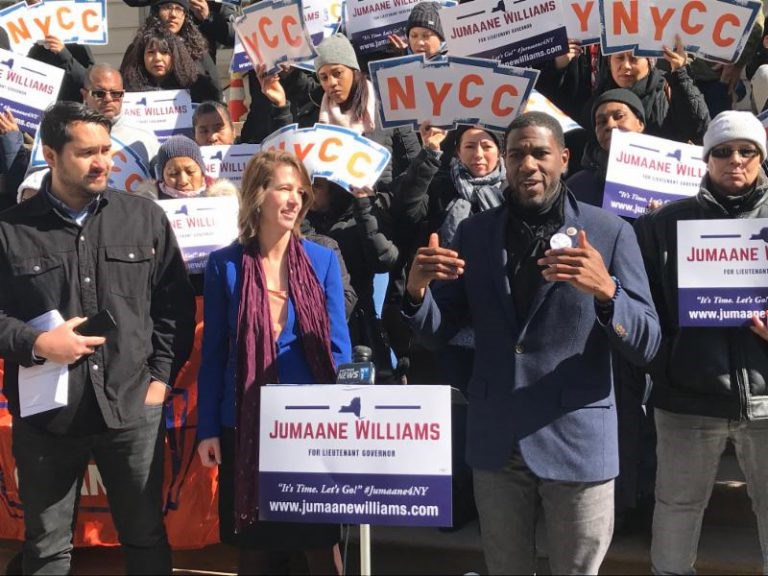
(125, 258)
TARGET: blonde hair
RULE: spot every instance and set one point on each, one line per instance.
(253, 189)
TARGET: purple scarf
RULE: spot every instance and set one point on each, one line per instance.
(257, 358)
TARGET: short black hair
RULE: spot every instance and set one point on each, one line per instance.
(57, 119)
(540, 119)
(212, 107)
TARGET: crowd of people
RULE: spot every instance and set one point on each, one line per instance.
(478, 259)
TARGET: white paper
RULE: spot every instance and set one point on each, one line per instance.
(43, 387)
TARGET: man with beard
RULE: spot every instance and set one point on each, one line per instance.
(78, 248)
(550, 286)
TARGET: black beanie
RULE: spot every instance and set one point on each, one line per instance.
(624, 96)
(157, 3)
(495, 136)
(424, 15)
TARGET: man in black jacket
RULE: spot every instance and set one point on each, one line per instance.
(710, 383)
(75, 249)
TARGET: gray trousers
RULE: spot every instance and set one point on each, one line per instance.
(578, 517)
(689, 449)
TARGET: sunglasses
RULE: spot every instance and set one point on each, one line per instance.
(101, 94)
(724, 152)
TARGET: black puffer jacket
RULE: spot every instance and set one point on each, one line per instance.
(719, 372)
(683, 116)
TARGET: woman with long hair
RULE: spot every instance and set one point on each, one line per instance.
(159, 60)
(274, 312)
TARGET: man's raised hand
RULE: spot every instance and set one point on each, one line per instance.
(432, 263)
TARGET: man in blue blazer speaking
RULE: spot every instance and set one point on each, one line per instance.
(551, 286)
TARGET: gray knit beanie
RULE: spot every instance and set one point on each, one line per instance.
(734, 125)
(336, 50)
(425, 15)
(178, 147)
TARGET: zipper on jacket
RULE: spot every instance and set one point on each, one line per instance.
(742, 379)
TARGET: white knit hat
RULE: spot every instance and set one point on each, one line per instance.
(734, 125)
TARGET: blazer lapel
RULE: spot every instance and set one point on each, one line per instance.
(497, 251)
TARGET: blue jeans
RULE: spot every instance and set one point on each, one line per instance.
(578, 517)
(130, 462)
(688, 449)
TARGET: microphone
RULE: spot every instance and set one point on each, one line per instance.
(360, 371)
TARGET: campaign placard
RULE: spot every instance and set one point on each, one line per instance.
(201, 225)
(537, 102)
(128, 168)
(449, 91)
(163, 112)
(722, 271)
(376, 455)
(519, 33)
(228, 161)
(642, 168)
(322, 19)
(275, 32)
(27, 88)
(73, 21)
(712, 29)
(337, 154)
(369, 23)
(582, 20)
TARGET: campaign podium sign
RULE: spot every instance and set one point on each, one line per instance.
(722, 271)
(642, 168)
(356, 454)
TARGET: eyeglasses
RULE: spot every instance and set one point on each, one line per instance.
(101, 94)
(171, 8)
(724, 152)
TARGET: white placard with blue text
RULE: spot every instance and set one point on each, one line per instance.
(228, 161)
(369, 23)
(449, 91)
(514, 32)
(27, 88)
(356, 454)
(275, 32)
(642, 168)
(164, 112)
(201, 225)
(712, 29)
(722, 271)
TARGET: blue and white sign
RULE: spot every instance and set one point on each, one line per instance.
(449, 91)
(275, 32)
(337, 154)
(642, 168)
(201, 225)
(722, 271)
(356, 454)
(370, 23)
(27, 88)
(515, 32)
(712, 29)
(228, 161)
(537, 102)
(164, 112)
(128, 168)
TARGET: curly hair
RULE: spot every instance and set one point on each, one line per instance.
(135, 74)
(190, 34)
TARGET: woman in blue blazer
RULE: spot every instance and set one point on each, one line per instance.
(274, 313)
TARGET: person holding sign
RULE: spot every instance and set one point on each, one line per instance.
(619, 109)
(423, 32)
(709, 383)
(551, 287)
(213, 125)
(674, 107)
(348, 100)
(160, 61)
(274, 313)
